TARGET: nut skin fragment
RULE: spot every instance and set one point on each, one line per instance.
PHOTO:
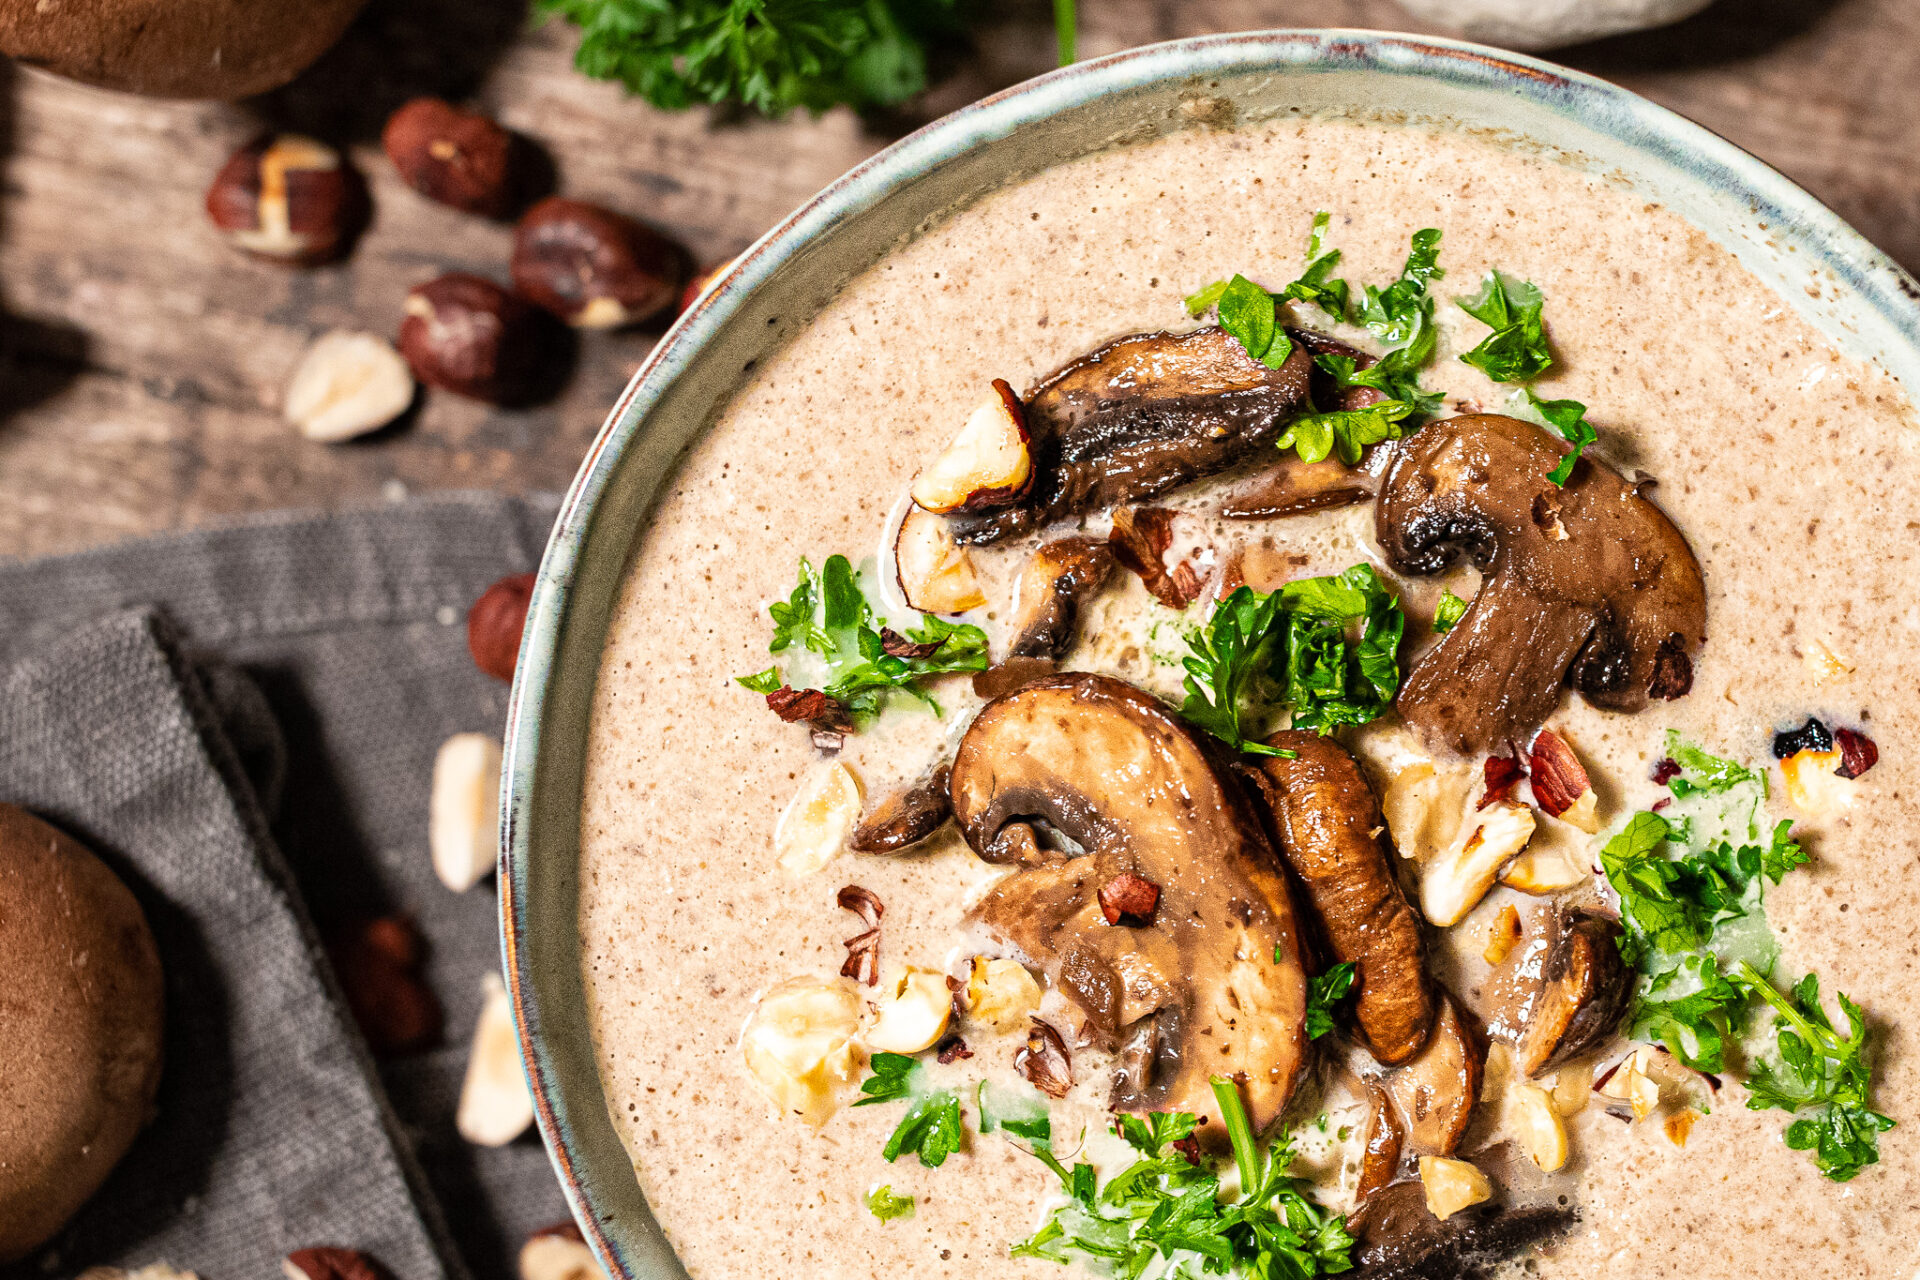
(1128, 899)
(1585, 990)
(288, 199)
(1044, 1061)
(495, 622)
(1143, 415)
(1437, 1090)
(1139, 540)
(1616, 606)
(458, 158)
(1062, 576)
(1197, 993)
(906, 817)
(592, 267)
(1328, 829)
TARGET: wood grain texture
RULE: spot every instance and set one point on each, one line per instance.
(142, 359)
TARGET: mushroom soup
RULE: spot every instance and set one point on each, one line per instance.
(1282, 759)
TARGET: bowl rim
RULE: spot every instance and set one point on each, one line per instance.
(1873, 278)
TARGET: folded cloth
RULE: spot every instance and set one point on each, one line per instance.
(352, 626)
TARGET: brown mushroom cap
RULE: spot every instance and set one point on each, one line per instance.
(1142, 415)
(905, 817)
(1380, 1157)
(1328, 827)
(1058, 580)
(1590, 583)
(1585, 988)
(1212, 983)
(1398, 1238)
(1436, 1092)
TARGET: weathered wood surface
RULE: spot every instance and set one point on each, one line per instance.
(141, 359)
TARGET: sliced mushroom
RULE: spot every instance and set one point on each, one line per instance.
(1212, 984)
(1400, 1239)
(906, 817)
(1436, 1091)
(1061, 577)
(1330, 832)
(1590, 583)
(1585, 988)
(1293, 487)
(1328, 394)
(1380, 1158)
(1142, 415)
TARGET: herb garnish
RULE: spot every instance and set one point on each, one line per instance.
(1516, 350)
(883, 1204)
(1696, 928)
(1168, 1207)
(1289, 648)
(1315, 284)
(1344, 431)
(931, 1129)
(829, 616)
(1447, 614)
(1323, 993)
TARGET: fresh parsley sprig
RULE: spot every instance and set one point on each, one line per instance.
(886, 1205)
(829, 616)
(932, 1127)
(1447, 614)
(1567, 417)
(1516, 350)
(1324, 994)
(1345, 432)
(1167, 1208)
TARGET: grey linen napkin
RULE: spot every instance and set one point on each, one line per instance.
(352, 627)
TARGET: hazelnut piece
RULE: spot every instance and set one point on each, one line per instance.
(495, 1105)
(594, 268)
(495, 622)
(378, 964)
(330, 1264)
(347, 385)
(286, 197)
(558, 1253)
(463, 829)
(698, 283)
(469, 336)
(459, 158)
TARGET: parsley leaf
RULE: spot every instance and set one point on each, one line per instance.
(1323, 993)
(1315, 284)
(1568, 417)
(1821, 1077)
(1697, 1026)
(1344, 431)
(1447, 614)
(1516, 350)
(768, 55)
(1168, 1208)
(1250, 314)
(1290, 648)
(829, 620)
(931, 1129)
(1708, 772)
(883, 1204)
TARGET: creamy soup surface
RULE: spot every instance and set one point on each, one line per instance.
(1791, 468)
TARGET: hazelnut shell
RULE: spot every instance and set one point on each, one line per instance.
(459, 158)
(495, 622)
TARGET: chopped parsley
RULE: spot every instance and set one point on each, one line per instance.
(1167, 1208)
(1323, 993)
(829, 618)
(1316, 284)
(1568, 417)
(1447, 614)
(883, 1204)
(1251, 315)
(1691, 892)
(1344, 431)
(932, 1127)
(1291, 648)
(1516, 350)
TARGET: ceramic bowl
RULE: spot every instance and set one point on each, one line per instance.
(1845, 287)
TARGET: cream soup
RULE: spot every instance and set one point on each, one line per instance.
(1790, 468)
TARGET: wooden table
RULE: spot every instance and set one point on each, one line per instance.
(142, 359)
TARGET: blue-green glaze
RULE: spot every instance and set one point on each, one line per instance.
(1845, 287)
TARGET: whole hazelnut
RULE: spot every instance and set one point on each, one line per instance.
(457, 157)
(467, 335)
(328, 1263)
(286, 197)
(495, 622)
(378, 964)
(594, 268)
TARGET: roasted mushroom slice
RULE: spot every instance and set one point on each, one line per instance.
(1399, 1239)
(1142, 415)
(1294, 488)
(905, 817)
(1061, 577)
(1211, 982)
(1436, 1091)
(1328, 827)
(1380, 1158)
(1585, 988)
(1590, 583)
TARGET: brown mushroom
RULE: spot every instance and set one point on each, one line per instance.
(1328, 827)
(1212, 983)
(1590, 583)
(1294, 488)
(1142, 415)
(1380, 1157)
(1585, 988)
(1436, 1091)
(906, 817)
(1061, 577)
(1398, 1238)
